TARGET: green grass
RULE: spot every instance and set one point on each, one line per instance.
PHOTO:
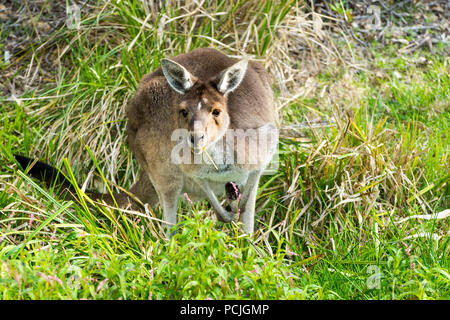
(331, 221)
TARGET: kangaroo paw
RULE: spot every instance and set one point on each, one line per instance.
(227, 217)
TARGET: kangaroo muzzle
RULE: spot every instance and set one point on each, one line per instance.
(197, 137)
(197, 140)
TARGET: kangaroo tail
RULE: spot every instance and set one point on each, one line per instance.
(51, 175)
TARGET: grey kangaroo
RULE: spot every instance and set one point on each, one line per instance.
(188, 126)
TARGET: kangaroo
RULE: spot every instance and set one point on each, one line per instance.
(193, 125)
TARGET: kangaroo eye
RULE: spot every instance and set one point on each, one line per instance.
(184, 112)
(216, 112)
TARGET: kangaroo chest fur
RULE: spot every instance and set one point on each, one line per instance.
(216, 166)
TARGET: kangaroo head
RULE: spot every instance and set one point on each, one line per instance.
(202, 105)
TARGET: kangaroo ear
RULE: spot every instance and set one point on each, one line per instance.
(177, 76)
(230, 78)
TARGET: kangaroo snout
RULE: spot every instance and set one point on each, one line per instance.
(197, 141)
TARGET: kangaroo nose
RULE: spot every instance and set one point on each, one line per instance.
(198, 137)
